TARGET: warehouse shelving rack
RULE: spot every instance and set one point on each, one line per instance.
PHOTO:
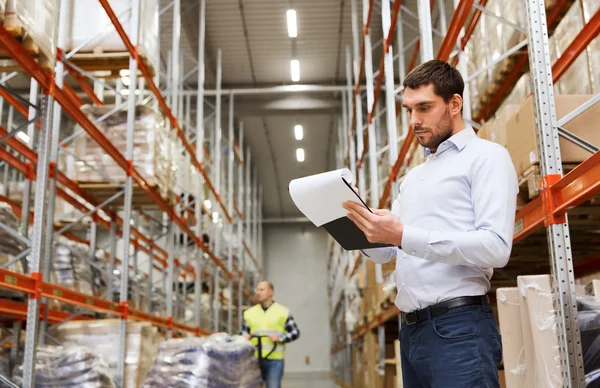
(38, 166)
(559, 193)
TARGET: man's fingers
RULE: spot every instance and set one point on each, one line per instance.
(358, 223)
(359, 209)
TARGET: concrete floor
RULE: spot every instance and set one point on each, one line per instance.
(307, 381)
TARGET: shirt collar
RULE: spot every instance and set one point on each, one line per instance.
(460, 140)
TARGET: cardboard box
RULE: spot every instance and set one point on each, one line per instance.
(509, 318)
(484, 132)
(539, 327)
(521, 133)
(593, 288)
(498, 127)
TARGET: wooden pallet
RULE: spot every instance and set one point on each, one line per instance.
(104, 190)
(14, 26)
(107, 61)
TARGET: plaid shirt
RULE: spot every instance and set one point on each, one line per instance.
(291, 330)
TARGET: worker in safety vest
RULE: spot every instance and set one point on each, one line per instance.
(276, 327)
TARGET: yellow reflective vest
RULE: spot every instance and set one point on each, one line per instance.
(265, 323)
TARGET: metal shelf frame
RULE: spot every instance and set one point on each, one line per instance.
(158, 234)
(560, 193)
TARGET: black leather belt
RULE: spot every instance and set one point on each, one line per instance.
(440, 308)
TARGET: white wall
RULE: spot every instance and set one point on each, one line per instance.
(296, 263)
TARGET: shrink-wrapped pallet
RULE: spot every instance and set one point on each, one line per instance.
(152, 152)
(89, 19)
(103, 337)
(218, 361)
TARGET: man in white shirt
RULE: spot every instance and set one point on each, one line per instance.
(452, 223)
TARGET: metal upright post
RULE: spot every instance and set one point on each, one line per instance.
(9, 125)
(136, 269)
(200, 156)
(217, 169)
(351, 147)
(170, 273)
(248, 202)
(425, 30)
(373, 176)
(362, 187)
(240, 225)
(464, 70)
(260, 226)
(33, 95)
(390, 98)
(133, 66)
(255, 217)
(442, 9)
(38, 241)
(401, 69)
(230, 193)
(111, 260)
(559, 243)
(150, 269)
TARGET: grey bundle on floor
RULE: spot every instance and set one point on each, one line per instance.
(69, 366)
(217, 361)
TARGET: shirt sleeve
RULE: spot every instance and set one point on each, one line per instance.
(494, 190)
(291, 331)
(380, 255)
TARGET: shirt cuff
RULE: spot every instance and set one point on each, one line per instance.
(414, 241)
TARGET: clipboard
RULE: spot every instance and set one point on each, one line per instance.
(320, 198)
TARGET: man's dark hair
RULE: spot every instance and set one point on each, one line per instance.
(445, 78)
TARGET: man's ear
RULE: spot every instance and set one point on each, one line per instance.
(456, 104)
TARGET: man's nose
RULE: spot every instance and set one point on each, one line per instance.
(415, 121)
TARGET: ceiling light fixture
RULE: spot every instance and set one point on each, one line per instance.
(295, 67)
(298, 132)
(23, 137)
(207, 203)
(291, 23)
(300, 154)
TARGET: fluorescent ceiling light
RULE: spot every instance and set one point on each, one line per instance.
(215, 216)
(295, 67)
(23, 137)
(298, 132)
(300, 154)
(126, 81)
(291, 23)
(124, 73)
(207, 203)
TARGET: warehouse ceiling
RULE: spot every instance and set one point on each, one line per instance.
(256, 52)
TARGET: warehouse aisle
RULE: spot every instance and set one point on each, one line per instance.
(303, 382)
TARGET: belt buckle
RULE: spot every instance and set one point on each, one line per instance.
(411, 318)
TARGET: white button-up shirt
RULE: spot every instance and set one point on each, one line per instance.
(458, 212)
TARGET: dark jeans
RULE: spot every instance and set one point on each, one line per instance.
(461, 348)
(272, 372)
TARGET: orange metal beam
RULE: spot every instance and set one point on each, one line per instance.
(84, 85)
(458, 21)
(18, 311)
(470, 29)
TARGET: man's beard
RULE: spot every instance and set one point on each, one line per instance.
(442, 132)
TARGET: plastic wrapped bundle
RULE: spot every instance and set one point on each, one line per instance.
(588, 308)
(576, 80)
(152, 155)
(70, 267)
(68, 366)
(8, 243)
(218, 361)
(103, 336)
(35, 21)
(590, 7)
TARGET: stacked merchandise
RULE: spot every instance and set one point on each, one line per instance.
(103, 337)
(528, 324)
(34, 21)
(217, 361)
(71, 266)
(152, 155)
(353, 294)
(68, 366)
(9, 244)
(88, 17)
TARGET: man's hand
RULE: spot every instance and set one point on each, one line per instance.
(381, 226)
(274, 338)
(247, 336)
